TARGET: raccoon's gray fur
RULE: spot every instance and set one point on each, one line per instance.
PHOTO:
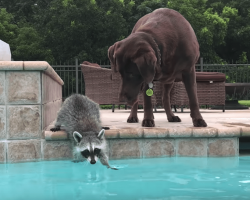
(80, 118)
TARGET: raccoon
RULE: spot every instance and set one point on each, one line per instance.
(80, 118)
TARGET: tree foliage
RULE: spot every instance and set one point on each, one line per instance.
(59, 30)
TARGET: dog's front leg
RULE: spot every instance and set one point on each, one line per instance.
(166, 103)
(133, 114)
(148, 120)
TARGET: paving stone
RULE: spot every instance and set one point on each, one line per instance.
(112, 133)
(180, 132)
(204, 132)
(245, 131)
(229, 132)
(131, 133)
(155, 132)
(11, 65)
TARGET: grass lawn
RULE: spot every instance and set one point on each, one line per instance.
(244, 102)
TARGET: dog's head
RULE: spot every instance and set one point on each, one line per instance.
(135, 59)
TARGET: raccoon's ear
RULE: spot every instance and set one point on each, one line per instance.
(77, 136)
(101, 134)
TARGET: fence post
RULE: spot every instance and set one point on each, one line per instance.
(76, 76)
(201, 61)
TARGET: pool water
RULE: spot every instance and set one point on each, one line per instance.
(142, 179)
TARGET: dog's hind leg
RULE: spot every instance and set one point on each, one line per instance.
(189, 80)
(166, 103)
(133, 114)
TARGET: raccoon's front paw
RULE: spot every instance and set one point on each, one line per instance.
(55, 129)
(112, 168)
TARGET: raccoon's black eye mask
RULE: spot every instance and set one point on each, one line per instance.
(86, 152)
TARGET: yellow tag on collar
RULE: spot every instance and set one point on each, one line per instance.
(149, 92)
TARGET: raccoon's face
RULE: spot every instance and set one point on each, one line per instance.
(90, 148)
(91, 154)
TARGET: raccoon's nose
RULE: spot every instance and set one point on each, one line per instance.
(92, 162)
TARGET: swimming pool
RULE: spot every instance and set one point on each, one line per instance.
(156, 178)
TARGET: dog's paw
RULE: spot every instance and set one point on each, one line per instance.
(55, 129)
(133, 120)
(199, 123)
(174, 119)
(148, 123)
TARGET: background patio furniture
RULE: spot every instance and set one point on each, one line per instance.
(102, 86)
(210, 90)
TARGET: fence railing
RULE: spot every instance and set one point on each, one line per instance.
(74, 81)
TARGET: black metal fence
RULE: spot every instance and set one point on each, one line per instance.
(72, 76)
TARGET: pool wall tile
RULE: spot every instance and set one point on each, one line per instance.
(126, 148)
(51, 90)
(23, 87)
(49, 111)
(158, 148)
(223, 147)
(24, 122)
(57, 150)
(3, 122)
(2, 88)
(191, 147)
(23, 150)
(2, 152)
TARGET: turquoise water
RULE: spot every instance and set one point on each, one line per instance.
(144, 179)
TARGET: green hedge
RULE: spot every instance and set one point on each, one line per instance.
(244, 102)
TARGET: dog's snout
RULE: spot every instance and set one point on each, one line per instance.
(92, 162)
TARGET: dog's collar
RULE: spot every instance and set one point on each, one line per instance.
(149, 91)
(158, 52)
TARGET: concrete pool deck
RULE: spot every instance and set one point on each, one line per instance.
(237, 121)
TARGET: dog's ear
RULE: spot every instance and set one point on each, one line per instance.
(112, 58)
(146, 63)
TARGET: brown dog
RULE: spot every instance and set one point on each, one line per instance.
(163, 47)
